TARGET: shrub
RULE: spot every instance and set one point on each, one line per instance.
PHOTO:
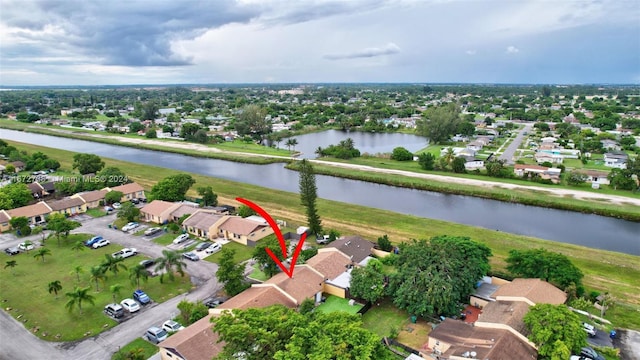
(401, 154)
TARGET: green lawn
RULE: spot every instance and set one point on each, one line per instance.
(242, 146)
(382, 318)
(258, 274)
(242, 252)
(334, 304)
(147, 348)
(165, 239)
(96, 212)
(24, 290)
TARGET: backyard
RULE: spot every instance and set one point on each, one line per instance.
(384, 318)
(25, 295)
(334, 303)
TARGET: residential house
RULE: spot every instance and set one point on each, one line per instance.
(92, 199)
(257, 296)
(306, 283)
(36, 213)
(18, 165)
(616, 160)
(475, 145)
(545, 173)
(596, 176)
(243, 231)
(68, 206)
(158, 211)
(610, 145)
(183, 208)
(454, 339)
(485, 139)
(335, 266)
(531, 291)
(202, 224)
(37, 191)
(542, 157)
(4, 221)
(195, 342)
(472, 163)
(355, 247)
(49, 187)
(130, 191)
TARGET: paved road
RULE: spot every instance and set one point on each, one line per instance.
(508, 153)
(18, 343)
(629, 343)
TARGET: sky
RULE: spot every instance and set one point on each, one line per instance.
(116, 42)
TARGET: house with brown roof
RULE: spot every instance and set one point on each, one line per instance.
(305, 283)
(158, 211)
(455, 339)
(182, 210)
(37, 191)
(129, 191)
(334, 265)
(195, 342)
(36, 213)
(355, 247)
(531, 291)
(68, 206)
(506, 315)
(92, 199)
(257, 296)
(243, 231)
(18, 165)
(4, 221)
(546, 173)
(596, 176)
(202, 223)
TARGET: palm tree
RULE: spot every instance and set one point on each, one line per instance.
(319, 151)
(113, 264)
(77, 297)
(54, 287)
(97, 275)
(115, 290)
(77, 270)
(291, 142)
(348, 143)
(449, 155)
(78, 246)
(11, 264)
(136, 273)
(42, 252)
(169, 261)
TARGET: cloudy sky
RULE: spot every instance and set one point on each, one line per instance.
(90, 42)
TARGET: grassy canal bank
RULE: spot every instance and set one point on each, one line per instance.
(609, 271)
(251, 153)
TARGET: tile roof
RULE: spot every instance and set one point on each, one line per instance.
(240, 226)
(487, 343)
(35, 187)
(49, 186)
(202, 220)
(128, 188)
(529, 167)
(304, 284)
(536, 290)
(506, 312)
(257, 296)
(355, 247)
(4, 216)
(40, 208)
(65, 203)
(195, 342)
(91, 196)
(183, 209)
(156, 207)
(330, 262)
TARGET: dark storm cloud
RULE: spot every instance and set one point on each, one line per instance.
(389, 49)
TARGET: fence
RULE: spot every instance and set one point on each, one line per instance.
(365, 308)
(402, 346)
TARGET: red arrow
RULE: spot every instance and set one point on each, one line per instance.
(276, 230)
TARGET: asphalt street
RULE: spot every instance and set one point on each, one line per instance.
(510, 151)
(18, 343)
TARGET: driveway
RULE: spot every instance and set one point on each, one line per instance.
(18, 343)
(508, 153)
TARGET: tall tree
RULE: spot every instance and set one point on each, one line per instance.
(78, 246)
(19, 194)
(42, 252)
(368, 282)
(171, 262)
(136, 273)
(77, 270)
(113, 197)
(549, 266)
(87, 163)
(439, 123)
(231, 273)
(115, 291)
(112, 176)
(97, 275)
(209, 198)
(434, 276)
(268, 266)
(308, 196)
(556, 330)
(252, 121)
(60, 225)
(150, 111)
(54, 287)
(113, 264)
(77, 297)
(128, 211)
(172, 188)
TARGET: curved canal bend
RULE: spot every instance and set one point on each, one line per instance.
(557, 225)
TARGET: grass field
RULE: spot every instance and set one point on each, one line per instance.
(334, 304)
(242, 253)
(609, 271)
(258, 274)
(24, 289)
(147, 348)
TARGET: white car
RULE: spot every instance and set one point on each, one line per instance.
(172, 326)
(101, 243)
(180, 239)
(116, 205)
(130, 305)
(214, 248)
(26, 246)
(125, 253)
(130, 226)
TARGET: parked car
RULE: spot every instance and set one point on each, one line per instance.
(125, 253)
(590, 329)
(156, 335)
(147, 263)
(576, 357)
(130, 226)
(116, 205)
(322, 239)
(152, 231)
(191, 256)
(202, 246)
(214, 248)
(114, 310)
(130, 305)
(181, 238)
(591, 354)
(135, 201)
(12, 251)
(143, 200)
(100, 243)
(171, 326)
(93, 240)
(108, 209)
(26, 246)
(212, 303)
(141, 297)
